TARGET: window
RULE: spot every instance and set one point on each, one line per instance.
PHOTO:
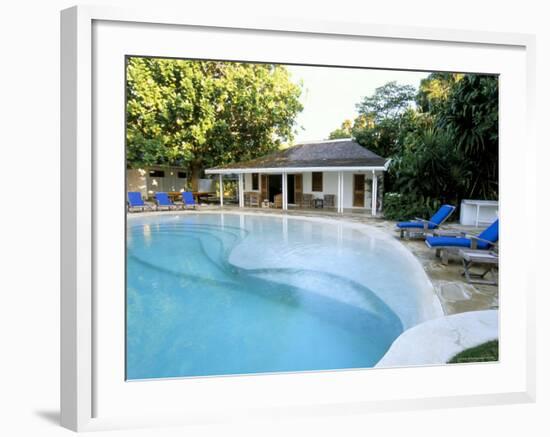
(255, 178)
(182, 175)
(317, 181)
(156, 173)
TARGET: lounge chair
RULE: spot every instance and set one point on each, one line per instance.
(163, 201)
(135, 201)
(421, 226)
(486, 240)
(188, 200)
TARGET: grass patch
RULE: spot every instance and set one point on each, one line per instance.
(484, 352)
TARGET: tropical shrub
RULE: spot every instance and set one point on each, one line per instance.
(399, 206)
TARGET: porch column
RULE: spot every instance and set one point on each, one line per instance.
(241, 191)
(221, 190)
(340, 197)
(374, 193)
(285, 192)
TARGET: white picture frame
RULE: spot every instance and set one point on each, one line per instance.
(90, 394)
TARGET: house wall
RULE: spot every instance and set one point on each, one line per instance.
(248, 182)
(330, 186)
(139, 180)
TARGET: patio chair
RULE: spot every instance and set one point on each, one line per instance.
(254, 199)
(421, 226)
(298, 199)
(486, 240)
(163, 201)
(188, 200)
(328, 200)
(135, 201)
(307, 201)
(278, 201)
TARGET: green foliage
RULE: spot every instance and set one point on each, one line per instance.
(388, 101)
(435, 90)
(470, 115)
(482, 353)
(399, 206)
(443, 150)
(429, 166)
(385, 118)
(343, 132)
(206, 113)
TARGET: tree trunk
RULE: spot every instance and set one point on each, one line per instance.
(196, 171)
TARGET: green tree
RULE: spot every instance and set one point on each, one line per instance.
(452, 153)
(343, 132)
(434, 91)
(470, 115)
(384, 118)
(388, 101)
(206, 113)
(443, 149)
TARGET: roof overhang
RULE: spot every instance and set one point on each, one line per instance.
(278, 170)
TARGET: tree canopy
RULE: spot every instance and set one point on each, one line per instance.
(345, 131)
(442, 140)
(381, 118)
(199, 114)
(388, 101)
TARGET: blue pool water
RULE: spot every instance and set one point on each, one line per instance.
(213, 294)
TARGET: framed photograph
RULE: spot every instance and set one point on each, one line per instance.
(270, 219)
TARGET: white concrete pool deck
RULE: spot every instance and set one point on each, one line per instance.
(438, 340)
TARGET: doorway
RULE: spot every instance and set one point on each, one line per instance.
(290, 188)
(359, 190)
(275, 185)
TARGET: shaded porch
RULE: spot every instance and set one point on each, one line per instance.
(337, 191)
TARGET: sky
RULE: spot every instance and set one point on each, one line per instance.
(330, 94)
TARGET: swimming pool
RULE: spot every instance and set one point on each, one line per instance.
(220, 294)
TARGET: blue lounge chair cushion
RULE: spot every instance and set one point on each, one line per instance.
(163, 199)
(134, 198)
(438, 218)
(443, 212)
(188, 198)
(449, 241)
(491, 233)
(414, 225)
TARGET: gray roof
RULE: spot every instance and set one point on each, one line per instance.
(335, 153)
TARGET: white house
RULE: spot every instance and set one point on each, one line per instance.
(149, 180)
(342, 169)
